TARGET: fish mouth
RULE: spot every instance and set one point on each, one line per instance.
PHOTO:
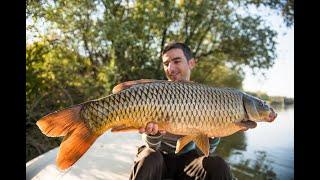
(272, 116)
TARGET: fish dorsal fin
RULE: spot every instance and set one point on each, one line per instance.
(128, 84)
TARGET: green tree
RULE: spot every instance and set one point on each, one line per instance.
(56, 77)
(78, 50)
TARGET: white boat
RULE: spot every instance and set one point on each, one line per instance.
(110, 157)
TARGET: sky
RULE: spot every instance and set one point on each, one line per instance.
(278, 80)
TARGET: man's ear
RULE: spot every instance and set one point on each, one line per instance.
(192, 63)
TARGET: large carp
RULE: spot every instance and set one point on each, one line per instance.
(194, 110)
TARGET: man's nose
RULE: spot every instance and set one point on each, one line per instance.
(170, 67)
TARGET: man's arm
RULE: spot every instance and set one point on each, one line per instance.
(213, 142)
(152, 135)
(153, 141)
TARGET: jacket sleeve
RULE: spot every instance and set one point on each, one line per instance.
(213, 142)
(152, 141)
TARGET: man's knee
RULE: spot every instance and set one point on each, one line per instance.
(217, 167)
(148, 165)
(217, 161)
(150, 156)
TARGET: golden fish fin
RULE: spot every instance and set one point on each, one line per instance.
(184, 141)
(123, 128)
(246, 124)
(59, 123)
(202, 142)
(128, 84)
(78, 137)
(74, 145)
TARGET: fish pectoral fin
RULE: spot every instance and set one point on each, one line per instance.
(202, 142)
(247, 124)
(184, 141)
(128, 84)
(123, 128)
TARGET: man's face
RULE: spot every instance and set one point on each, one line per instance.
(176, 66)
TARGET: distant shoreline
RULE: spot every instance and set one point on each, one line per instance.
(274, 100)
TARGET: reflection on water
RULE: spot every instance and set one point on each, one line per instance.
(265, 152)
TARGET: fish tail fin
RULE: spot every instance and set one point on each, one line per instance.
(78, 137)
(60, 123)
(74, 145)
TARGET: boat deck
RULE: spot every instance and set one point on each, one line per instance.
(110, 157)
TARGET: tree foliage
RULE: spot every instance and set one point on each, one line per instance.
(78, 50)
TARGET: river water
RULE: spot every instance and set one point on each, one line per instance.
(266, 152)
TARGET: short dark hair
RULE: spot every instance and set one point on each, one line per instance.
(178, 45)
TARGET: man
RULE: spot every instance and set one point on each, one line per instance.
(158, 160)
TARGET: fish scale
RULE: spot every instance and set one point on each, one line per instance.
(180, 103)
(193, 110)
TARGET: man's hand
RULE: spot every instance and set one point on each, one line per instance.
(196, 168)
(151, 129)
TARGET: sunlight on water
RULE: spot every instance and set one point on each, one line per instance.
(266, 152)
(278, 134)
